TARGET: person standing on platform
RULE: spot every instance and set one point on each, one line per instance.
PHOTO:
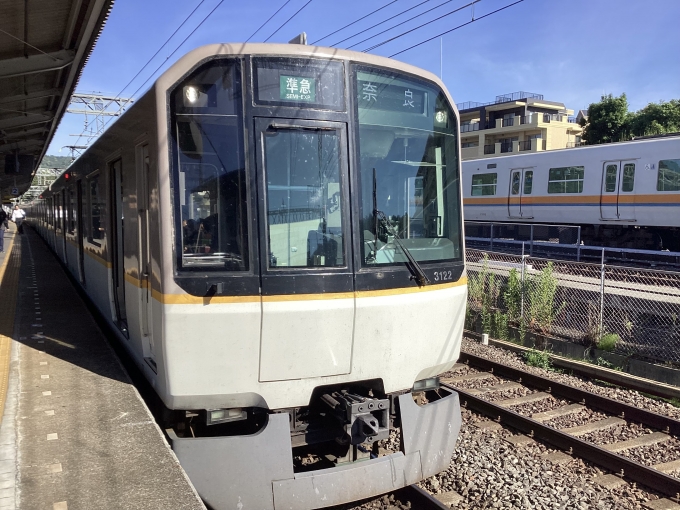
(18, 216)
(3, 227)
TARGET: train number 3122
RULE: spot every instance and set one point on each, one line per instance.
(442, 276)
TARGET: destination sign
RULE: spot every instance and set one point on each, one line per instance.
(297, 88)
(394, 98)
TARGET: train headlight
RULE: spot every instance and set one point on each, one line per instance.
(215, 416)
(426, 384)
(440, 117)
(191, 93)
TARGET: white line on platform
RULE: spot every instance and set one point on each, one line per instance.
(52, 437)
(44, 376)
(60, 506)
(50, 412)
(43, 362)
(46, 393)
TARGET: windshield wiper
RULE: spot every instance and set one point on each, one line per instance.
(417, 272)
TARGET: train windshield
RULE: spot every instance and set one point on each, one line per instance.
(410, 185)
(210, 184)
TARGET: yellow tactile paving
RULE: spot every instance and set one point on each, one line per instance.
(9, 286)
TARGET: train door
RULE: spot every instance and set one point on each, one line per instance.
(307, 283)
(63, 222)
(616, 197)
(117, 239)
(521, 186)
(144, 167)
(80, 232)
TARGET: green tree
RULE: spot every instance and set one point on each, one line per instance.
(55, 162)
(608, 120)
(656, 119)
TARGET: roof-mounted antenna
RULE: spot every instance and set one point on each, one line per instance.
(299, 39)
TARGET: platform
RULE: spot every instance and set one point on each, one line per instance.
(75, 432)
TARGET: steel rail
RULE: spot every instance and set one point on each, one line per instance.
(420, 498)
(618, 464)
(587, 398)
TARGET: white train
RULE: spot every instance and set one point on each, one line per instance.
(276, 233)
(624, 195)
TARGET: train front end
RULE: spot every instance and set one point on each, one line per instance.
(312, 271)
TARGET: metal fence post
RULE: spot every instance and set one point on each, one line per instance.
(531, 243)
(491, 239)
(578, 245)
(521, 307)
(601, 325)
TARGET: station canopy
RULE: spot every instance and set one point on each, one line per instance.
(44, 46)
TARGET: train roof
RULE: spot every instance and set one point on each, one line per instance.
(189, 60)
(583, 148)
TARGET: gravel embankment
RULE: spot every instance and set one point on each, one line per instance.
(623, 395)
(488, 472)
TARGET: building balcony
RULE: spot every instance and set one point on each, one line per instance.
(466, 128)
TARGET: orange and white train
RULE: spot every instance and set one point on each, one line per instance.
(624, 195)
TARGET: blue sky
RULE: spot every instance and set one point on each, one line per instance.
(571, 51)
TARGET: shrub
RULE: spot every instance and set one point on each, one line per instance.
(513, 296)
(540, 359)
(608, 342)
(542, 291)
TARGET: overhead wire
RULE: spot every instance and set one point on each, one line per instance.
(398, 24)
(270, 18)
(286, 22)
(421, 26)
(166, 58)
(456, 28)
(146, 64)
(356, 21)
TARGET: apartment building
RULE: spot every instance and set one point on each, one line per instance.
(514, 123)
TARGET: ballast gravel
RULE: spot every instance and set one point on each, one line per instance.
(488, 472)
(623, 395)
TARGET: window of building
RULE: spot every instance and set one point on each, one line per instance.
(484, 184)
(568, 179)
(628, 177)
(96, 229)
(668, 178)
(470, 144)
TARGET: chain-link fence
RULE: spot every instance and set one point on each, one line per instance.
(624, 310)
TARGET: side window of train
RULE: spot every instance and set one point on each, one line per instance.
(628, 177)
(211, 198)
(516, 177)
(528, 181)
(568, 179)
(610, 178)
(484, 184)
(96, 231)
(668, 178)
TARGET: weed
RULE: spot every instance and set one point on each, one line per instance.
(540, 359)
(608, 342)
(542, 291)
(513, 296)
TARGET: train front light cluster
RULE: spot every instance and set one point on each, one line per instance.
(215, 416)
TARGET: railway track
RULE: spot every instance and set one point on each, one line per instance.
(504, 402)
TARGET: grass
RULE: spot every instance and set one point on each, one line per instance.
(540, 359)
(608, 342)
